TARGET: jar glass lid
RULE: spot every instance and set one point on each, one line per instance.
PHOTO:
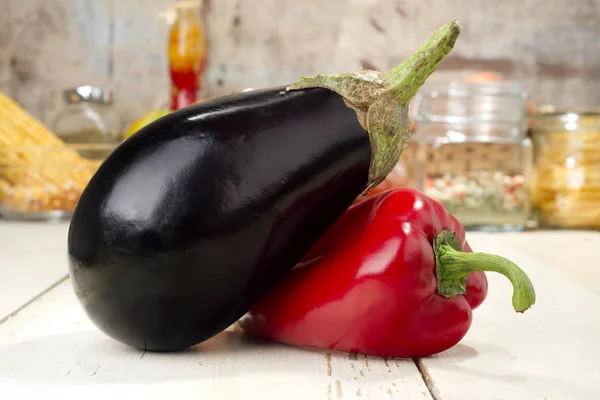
(461, 102)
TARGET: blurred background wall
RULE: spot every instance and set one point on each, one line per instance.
(553, 47)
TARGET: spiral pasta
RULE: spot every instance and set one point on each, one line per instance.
(566, 178)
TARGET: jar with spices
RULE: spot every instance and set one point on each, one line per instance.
(88, 118)
(566, 175)
(470, 152)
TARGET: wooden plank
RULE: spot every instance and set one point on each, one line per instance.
(140, 74)
(52, 45)
(51, 348)
(550, 352)
(33, 258)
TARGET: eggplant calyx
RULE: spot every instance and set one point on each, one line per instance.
(381, 100)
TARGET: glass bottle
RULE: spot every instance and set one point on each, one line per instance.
(470, 152)
(187, 54)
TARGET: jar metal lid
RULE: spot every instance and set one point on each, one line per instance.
(87, 93)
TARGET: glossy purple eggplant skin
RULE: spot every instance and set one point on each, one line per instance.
(193, 218)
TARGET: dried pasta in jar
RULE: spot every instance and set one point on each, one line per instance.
(566, 177)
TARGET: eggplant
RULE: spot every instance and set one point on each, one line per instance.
(197, 215)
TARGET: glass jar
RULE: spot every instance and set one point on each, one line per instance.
(470, 152)
(566, 175)
(88, 118)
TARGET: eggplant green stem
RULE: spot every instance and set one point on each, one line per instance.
(406, 79)
(454, 266)
(381, 100)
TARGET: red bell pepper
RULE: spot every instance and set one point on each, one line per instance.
(394, 277)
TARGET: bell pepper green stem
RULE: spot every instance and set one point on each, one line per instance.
(405, 79)
(454, 266)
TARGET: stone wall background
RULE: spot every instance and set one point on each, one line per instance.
(553, 47)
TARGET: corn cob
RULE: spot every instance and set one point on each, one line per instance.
(38, 171)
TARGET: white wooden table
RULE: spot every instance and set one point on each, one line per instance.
(49, 348)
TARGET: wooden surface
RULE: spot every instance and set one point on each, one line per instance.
(49, 347)
(551, 351)
(33, 258)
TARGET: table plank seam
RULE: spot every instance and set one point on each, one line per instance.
(28, 303)
(429, 383)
